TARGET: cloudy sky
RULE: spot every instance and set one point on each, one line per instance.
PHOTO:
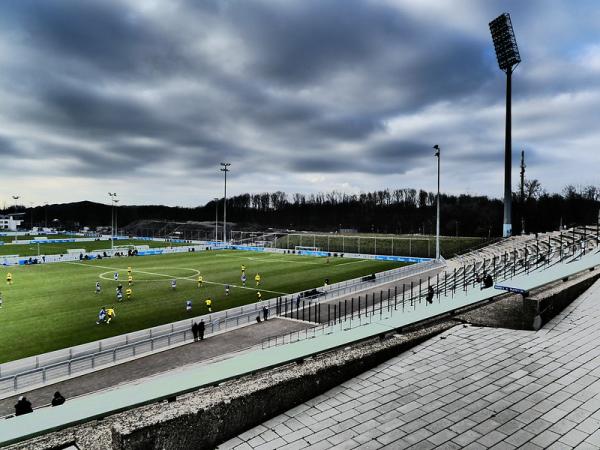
(145, 98)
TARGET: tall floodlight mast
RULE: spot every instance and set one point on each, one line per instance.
(225, 169)
(508, 56)
(437, 224)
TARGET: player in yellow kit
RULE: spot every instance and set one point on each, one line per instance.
(258, 296)
(9, 279)
(208, 303)
(243, 268)
(128, 293)
(129, 280)
(257, 279)
(110, 314)
(200, 281)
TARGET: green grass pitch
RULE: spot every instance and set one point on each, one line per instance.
(54, 306)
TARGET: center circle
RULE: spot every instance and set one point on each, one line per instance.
(109, 275)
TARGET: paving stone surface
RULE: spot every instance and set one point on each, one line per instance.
(471, 387)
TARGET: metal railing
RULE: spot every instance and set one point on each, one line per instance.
(359, 311)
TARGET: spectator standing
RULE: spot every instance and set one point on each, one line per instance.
(488, 281)
(195, 331)
(430, 294)
(265, 313)
(58, 399)
(201, 330)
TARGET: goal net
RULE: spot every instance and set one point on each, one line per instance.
(305, 248)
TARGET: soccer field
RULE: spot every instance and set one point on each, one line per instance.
(53, 306)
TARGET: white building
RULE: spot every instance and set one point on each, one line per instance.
(9, 222)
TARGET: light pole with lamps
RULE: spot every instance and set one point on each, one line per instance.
(437, 227)
(113, 200)
(507, 53)
(225, 169)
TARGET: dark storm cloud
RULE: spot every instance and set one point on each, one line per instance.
(322, 164)
(104, 35)
(111, 87)
(7, 147)
(301, 42)
(400, 150)
(296, 44)
(392, 157)
(82, 108)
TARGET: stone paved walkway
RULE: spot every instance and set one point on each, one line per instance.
(471, 387)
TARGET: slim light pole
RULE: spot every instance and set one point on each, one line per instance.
(113, 198)
(15, 198)
(225, 169)
(507, 53)
(437, 227)
(216, 219)
(116, 213)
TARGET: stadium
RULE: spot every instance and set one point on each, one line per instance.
(260, 279)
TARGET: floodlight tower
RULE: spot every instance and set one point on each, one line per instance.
(225, 169)
(508, 56)
(437, 226)
(113, 200)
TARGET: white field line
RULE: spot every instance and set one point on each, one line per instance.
(265, 259)
(352, 262)
(239, 287)
(188, 278)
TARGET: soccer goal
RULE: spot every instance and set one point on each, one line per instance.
(305, 248)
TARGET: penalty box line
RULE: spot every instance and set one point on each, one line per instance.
(189, 278)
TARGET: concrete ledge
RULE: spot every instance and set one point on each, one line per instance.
(532, 312)
(543, 304)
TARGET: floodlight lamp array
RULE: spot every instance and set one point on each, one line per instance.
(505, 42)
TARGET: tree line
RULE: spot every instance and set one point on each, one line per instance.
(384, 211)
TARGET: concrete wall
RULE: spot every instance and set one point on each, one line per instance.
(530, 313)
(542, 305)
